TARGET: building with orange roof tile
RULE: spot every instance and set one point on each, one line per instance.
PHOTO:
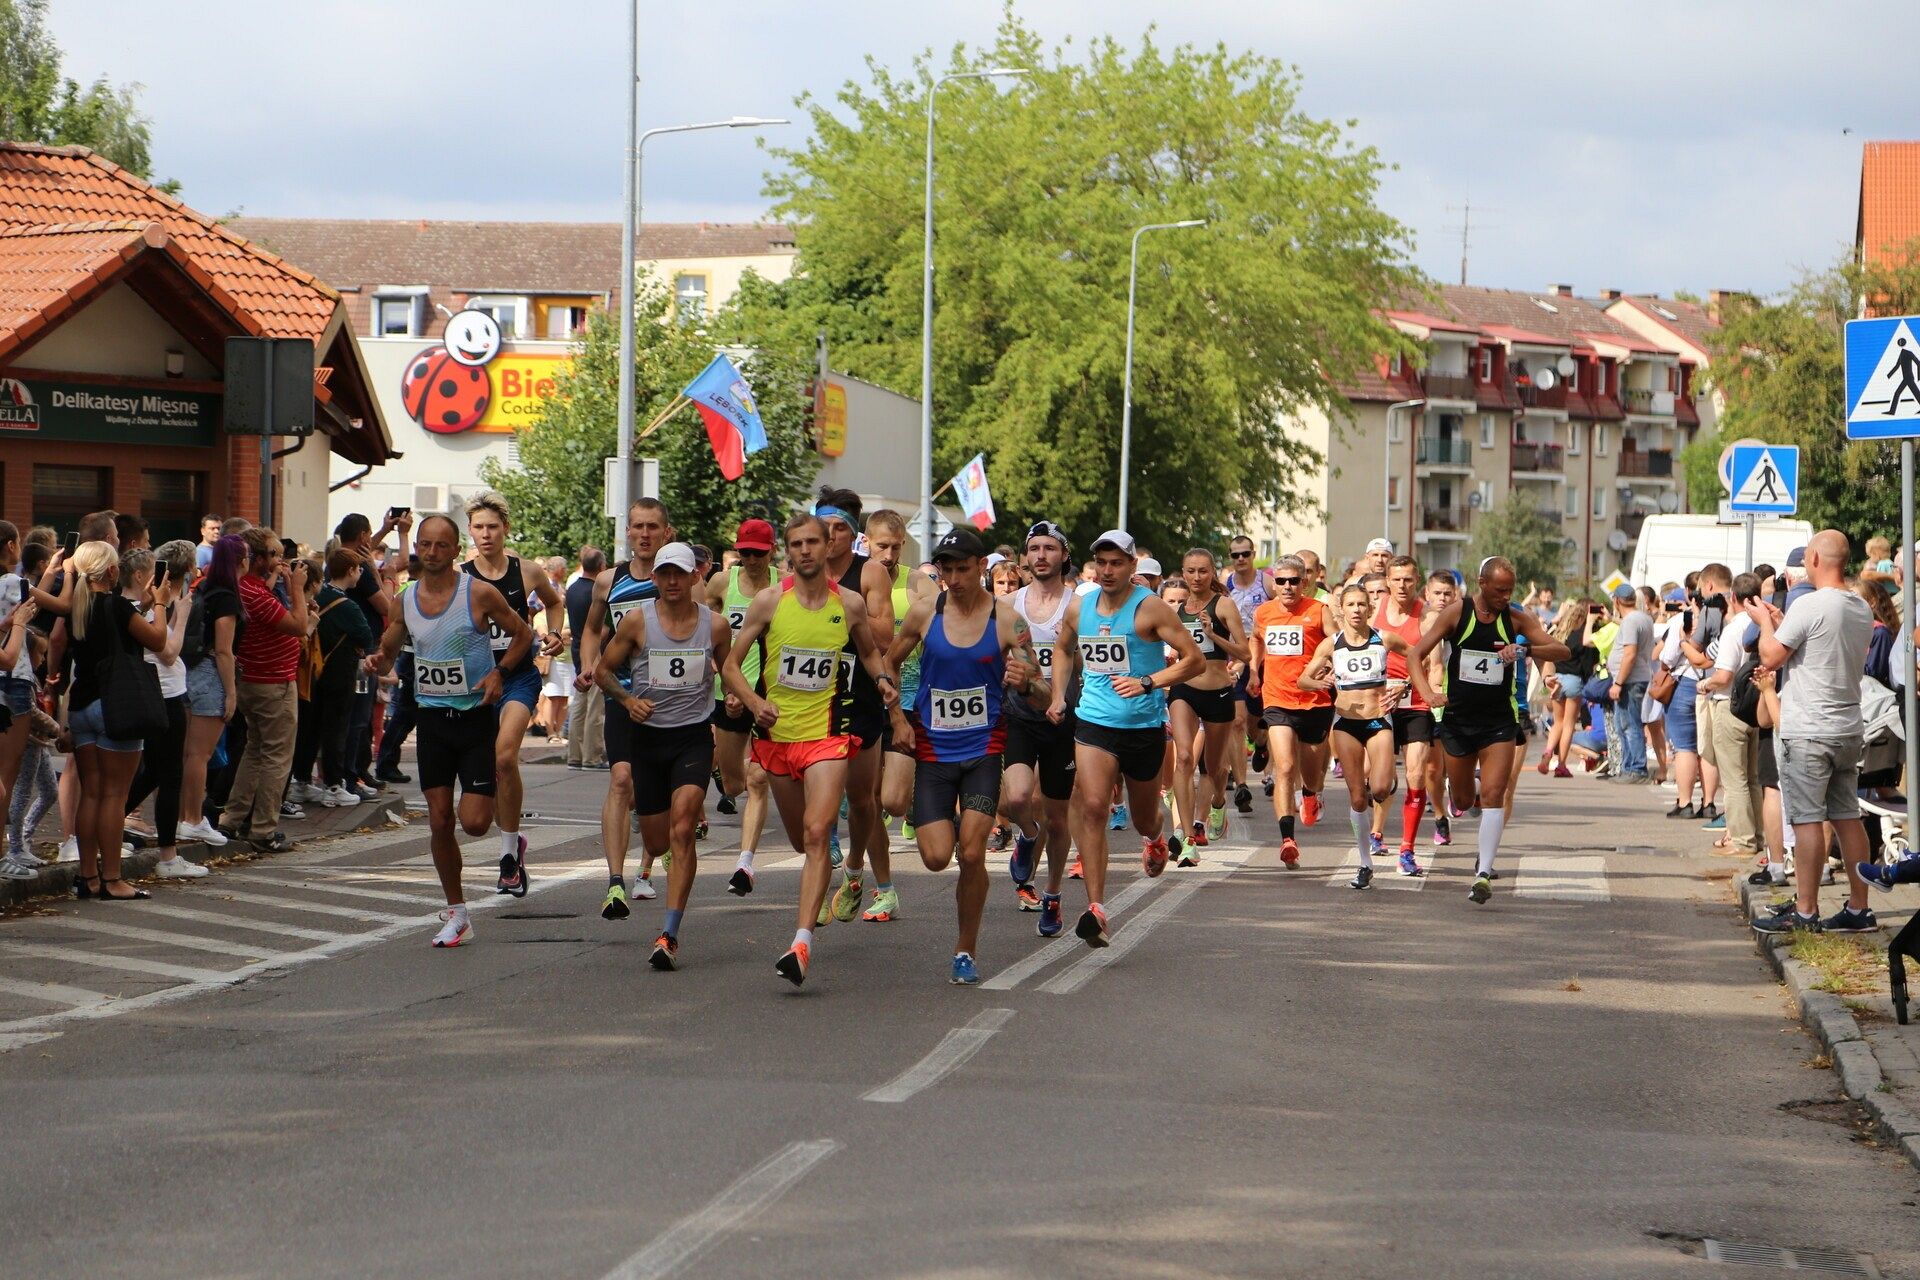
(1889, 217)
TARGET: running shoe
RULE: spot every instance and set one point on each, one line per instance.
(834, 856)
(1561, 771)
(700, 831)
(886, 906)
(1117, 818)
(1885, 875)
(1338, 772)
(1153, 856)
(1258, 761)
(1788, 921)
(457, 931)
(1362, 879)
(908, 831)
(965, 973)
(846, 903)
(1686, 811)
(740, 884)
(1186, 857)
(291, 812)
(1073, 869)
(666, 954)
(1050, 921)
(177, 868)
(1029, 897)
(726, 805)
(998, 837)
(614, 905)
(14, 869)
(643, 887)
(1409, 865)
(513, 871)
(1020, 865)
(1289, 853)
(1482, 888)
(793, 965)
(1718, 822)
(1309, 810)
(1243, 798)
(1710, 810)
(1847, 920)
(1377, 844)
(1092, 928)
(1771, 875)
(1442, 832)
(1217, 824)
(1198, 834)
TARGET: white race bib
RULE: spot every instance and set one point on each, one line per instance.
(1104, 655)
(1360, 666)
(1045, 655)
(1202, 635)
(619, 611)
(807, 670)
(949, 709)
(1286, 641)
(736, 618)
(1477, 666)
(443, 679)
(497, 640)
(675, 668)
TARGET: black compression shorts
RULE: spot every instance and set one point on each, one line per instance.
(1045, 748)
(1463, 737)
(1140, 752)
(943, 787)
(1213, 706)
(1309, 726)
(1412, 726)
(453, 744)
(662, 760)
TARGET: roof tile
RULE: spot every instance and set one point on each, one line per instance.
(1889, 197)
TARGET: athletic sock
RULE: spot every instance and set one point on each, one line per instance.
(1286, 827)
(746, 860)
(613, 880)
(509, 844)
(879, 886)
(1493, 821)
(1410, 810)
(803, 938)
(672, 926)
(459, 910)
(1362, 820)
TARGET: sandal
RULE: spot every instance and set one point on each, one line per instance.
(135, 896)
(85, 887)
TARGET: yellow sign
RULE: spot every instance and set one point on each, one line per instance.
(833, 420)
(520, 384)
(1613, 582)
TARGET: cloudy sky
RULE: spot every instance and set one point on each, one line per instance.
(1688, 144)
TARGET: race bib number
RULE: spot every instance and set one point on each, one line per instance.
(1482, 668)
(615, 612)
(1286, 641)
(1104, 655)
(736, 618)
(952, 709)
(497, 640)
(447, 679)
(676, 668)
(1361, 667)
(1202, 636)
(808, 670)
(1045, 655)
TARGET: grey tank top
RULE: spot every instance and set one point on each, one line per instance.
(675, 675)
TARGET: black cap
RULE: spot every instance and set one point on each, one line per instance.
(960, 542)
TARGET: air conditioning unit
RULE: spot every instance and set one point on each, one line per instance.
(429, 498)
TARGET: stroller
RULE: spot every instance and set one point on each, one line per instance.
(1899, 864)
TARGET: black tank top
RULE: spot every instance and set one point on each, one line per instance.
(1479, 685)
(866, 694)
(1205, 627)
(514, 587)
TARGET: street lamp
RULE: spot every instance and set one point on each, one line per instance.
(1126, 386)
(1386, 473)
(926, 310)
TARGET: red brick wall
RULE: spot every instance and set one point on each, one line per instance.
(233, 472)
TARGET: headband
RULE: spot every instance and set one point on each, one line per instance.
(827, 512)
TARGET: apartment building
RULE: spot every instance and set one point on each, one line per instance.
(1546, 394)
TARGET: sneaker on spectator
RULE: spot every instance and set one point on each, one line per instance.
(299, 792)
(393, 775)
(291, 812)
(203, 831)
(14, 869)
(1847, 920)
(338, 797)
(178, 868)
(69, 850)
(364, 791)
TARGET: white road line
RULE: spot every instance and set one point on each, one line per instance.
(53, 993)
(287, 903)
(1569, 877)
(18, 1039)
(325, 884)
(689, 1237)
(1076, 977)
(1018, 972)
(1386, 872)
(237, 922)
(130, 964)
(191, 941)
(954, 1049)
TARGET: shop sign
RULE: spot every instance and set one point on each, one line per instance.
(833, 420)
(58, 409)
(468, 383)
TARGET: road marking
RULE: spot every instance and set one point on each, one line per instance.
(53, 993)
(131, 964)
(954, 1049)
(1018, 972)
(1072, 979)
(689, 1237)
(18, 1039)
(1569, 877)
(324, 884)
(191, 941)
(322, 908)
(1386, 872)
(239, 922)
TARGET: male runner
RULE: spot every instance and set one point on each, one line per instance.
(1116, 637)
(1038, 782)
(1441, 590)
(658, 671)
(729, 594)
(886, 540)
(1314, 571)
(521, 582)
(1403, 614)
(802, 708)
(970, 647)
(1377, 558)
(1286, 631)
(1250, 588)
(615, 592)
(1482, 720)
(449, 618)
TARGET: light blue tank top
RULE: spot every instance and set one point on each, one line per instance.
(451, 656)
(1109, 647)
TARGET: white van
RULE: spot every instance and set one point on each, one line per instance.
(1671, 547)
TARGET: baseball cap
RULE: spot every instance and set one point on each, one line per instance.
(1676, 596)
(754, 535)
(675, 555)
(1150, 567)
(1048, 529)
(1380, 544)
(1797, 558)
(994, 559)
(1623, 592)
(959, 543)
(1119, 539)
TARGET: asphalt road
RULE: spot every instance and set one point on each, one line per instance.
(1268, 1075)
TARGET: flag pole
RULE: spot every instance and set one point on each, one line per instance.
(942, 489)
(679, 402)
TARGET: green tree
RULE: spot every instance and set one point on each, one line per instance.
(38, 104)
(556, 487)
(1241, 325)
(1781, 368)
(1516, 530)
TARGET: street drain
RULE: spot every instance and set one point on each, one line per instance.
(1830, 1261)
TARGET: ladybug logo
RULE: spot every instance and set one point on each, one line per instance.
(446, 388)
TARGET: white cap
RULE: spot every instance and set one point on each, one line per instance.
(994, 559)
(1149, 567)
(1119, 539)
(1380, 544)
(675, 555)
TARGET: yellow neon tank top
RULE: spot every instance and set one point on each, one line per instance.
(801, 670)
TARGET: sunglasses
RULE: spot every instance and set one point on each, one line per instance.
(1288, 582)
(1240, 555)
(753, 551)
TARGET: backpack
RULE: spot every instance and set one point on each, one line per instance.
(313, 660)
(1744, 700)
(193, 643)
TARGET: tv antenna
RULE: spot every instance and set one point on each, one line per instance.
(1465, 228)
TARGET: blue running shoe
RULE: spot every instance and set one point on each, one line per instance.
(1049, 914)
(1118, 819)
(1020, 865)
(834, 856)
(1885, 875)
(1409, 865)
(965, 974)
(1378, 843)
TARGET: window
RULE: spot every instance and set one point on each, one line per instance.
(1396, 427)
(1393, 494)
(564, 322)
(1486, 364)
(507, 311)
(1574, 431)
(173, 502)
(61, 495)
(1486, 431)
(1599, 439)
(1673, 378)
(397, 315)
(1573, 502)
(1599, 502)
(1269, 550)
(1397, 366)
(1486, 495)
(690, 297)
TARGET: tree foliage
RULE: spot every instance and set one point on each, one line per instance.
(1040, 183)
(38, 104)
(1516, 529)
(1781, 367)
(556, 487)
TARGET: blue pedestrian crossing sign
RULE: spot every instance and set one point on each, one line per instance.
(1883, 378)
(1766, 479)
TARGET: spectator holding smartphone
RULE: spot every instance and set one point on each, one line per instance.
(212, 678)
(267, 661)
(169, 604)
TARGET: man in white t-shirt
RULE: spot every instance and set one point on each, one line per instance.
(1735, 742)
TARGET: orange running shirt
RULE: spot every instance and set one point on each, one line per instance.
(1289, 640)
(1397, 662)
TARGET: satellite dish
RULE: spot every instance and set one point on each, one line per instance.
(1569, 546)
(1474, 500)
(1669, 503)
(1617, 541)
(1546, 379)
(1566, 366)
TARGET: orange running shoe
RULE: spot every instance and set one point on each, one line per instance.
(1199, 834)
(1309, 810)
(1073, 868)
(1289, 853)
(1153, 856)
(793, 965)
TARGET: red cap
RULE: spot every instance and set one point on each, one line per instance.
(754, 535)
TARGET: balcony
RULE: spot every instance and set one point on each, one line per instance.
(1646, 400)
(1631, 521)
(1451, 519)
(1552, 515)
(1533, 397)
(1655, 464)
(1437, 451)
(1449, 386)
(1534, 456)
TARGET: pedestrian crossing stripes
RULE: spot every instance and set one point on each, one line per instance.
(1568, 877)
(1386, 872)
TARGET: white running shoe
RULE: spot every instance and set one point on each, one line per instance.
(69, 850)
(178, 868)
(338, 797)
(14, 869)
(204, 832)
(643, 888)
(457, 930)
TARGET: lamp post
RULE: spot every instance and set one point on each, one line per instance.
(926, 310)
(1386, 471)
(1126, 385)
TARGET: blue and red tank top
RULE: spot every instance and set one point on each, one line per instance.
(958, 704)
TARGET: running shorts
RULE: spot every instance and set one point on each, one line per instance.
(523, 689)
(1309, 726)
(1361, 730)
(1412, 726)
(742, 723)
(1213, 706)
(453, 744)
(942, 787)
(791, 759)
(663, 761)
(1139, 751)
(1469, 737)
(1047, 749)
(1240, 690)
(869, 726)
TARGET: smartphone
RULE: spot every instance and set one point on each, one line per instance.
(289, 549)
(161, 572)
(395, 513)
(71, 542)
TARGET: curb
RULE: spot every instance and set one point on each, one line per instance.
(1828, 1017)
